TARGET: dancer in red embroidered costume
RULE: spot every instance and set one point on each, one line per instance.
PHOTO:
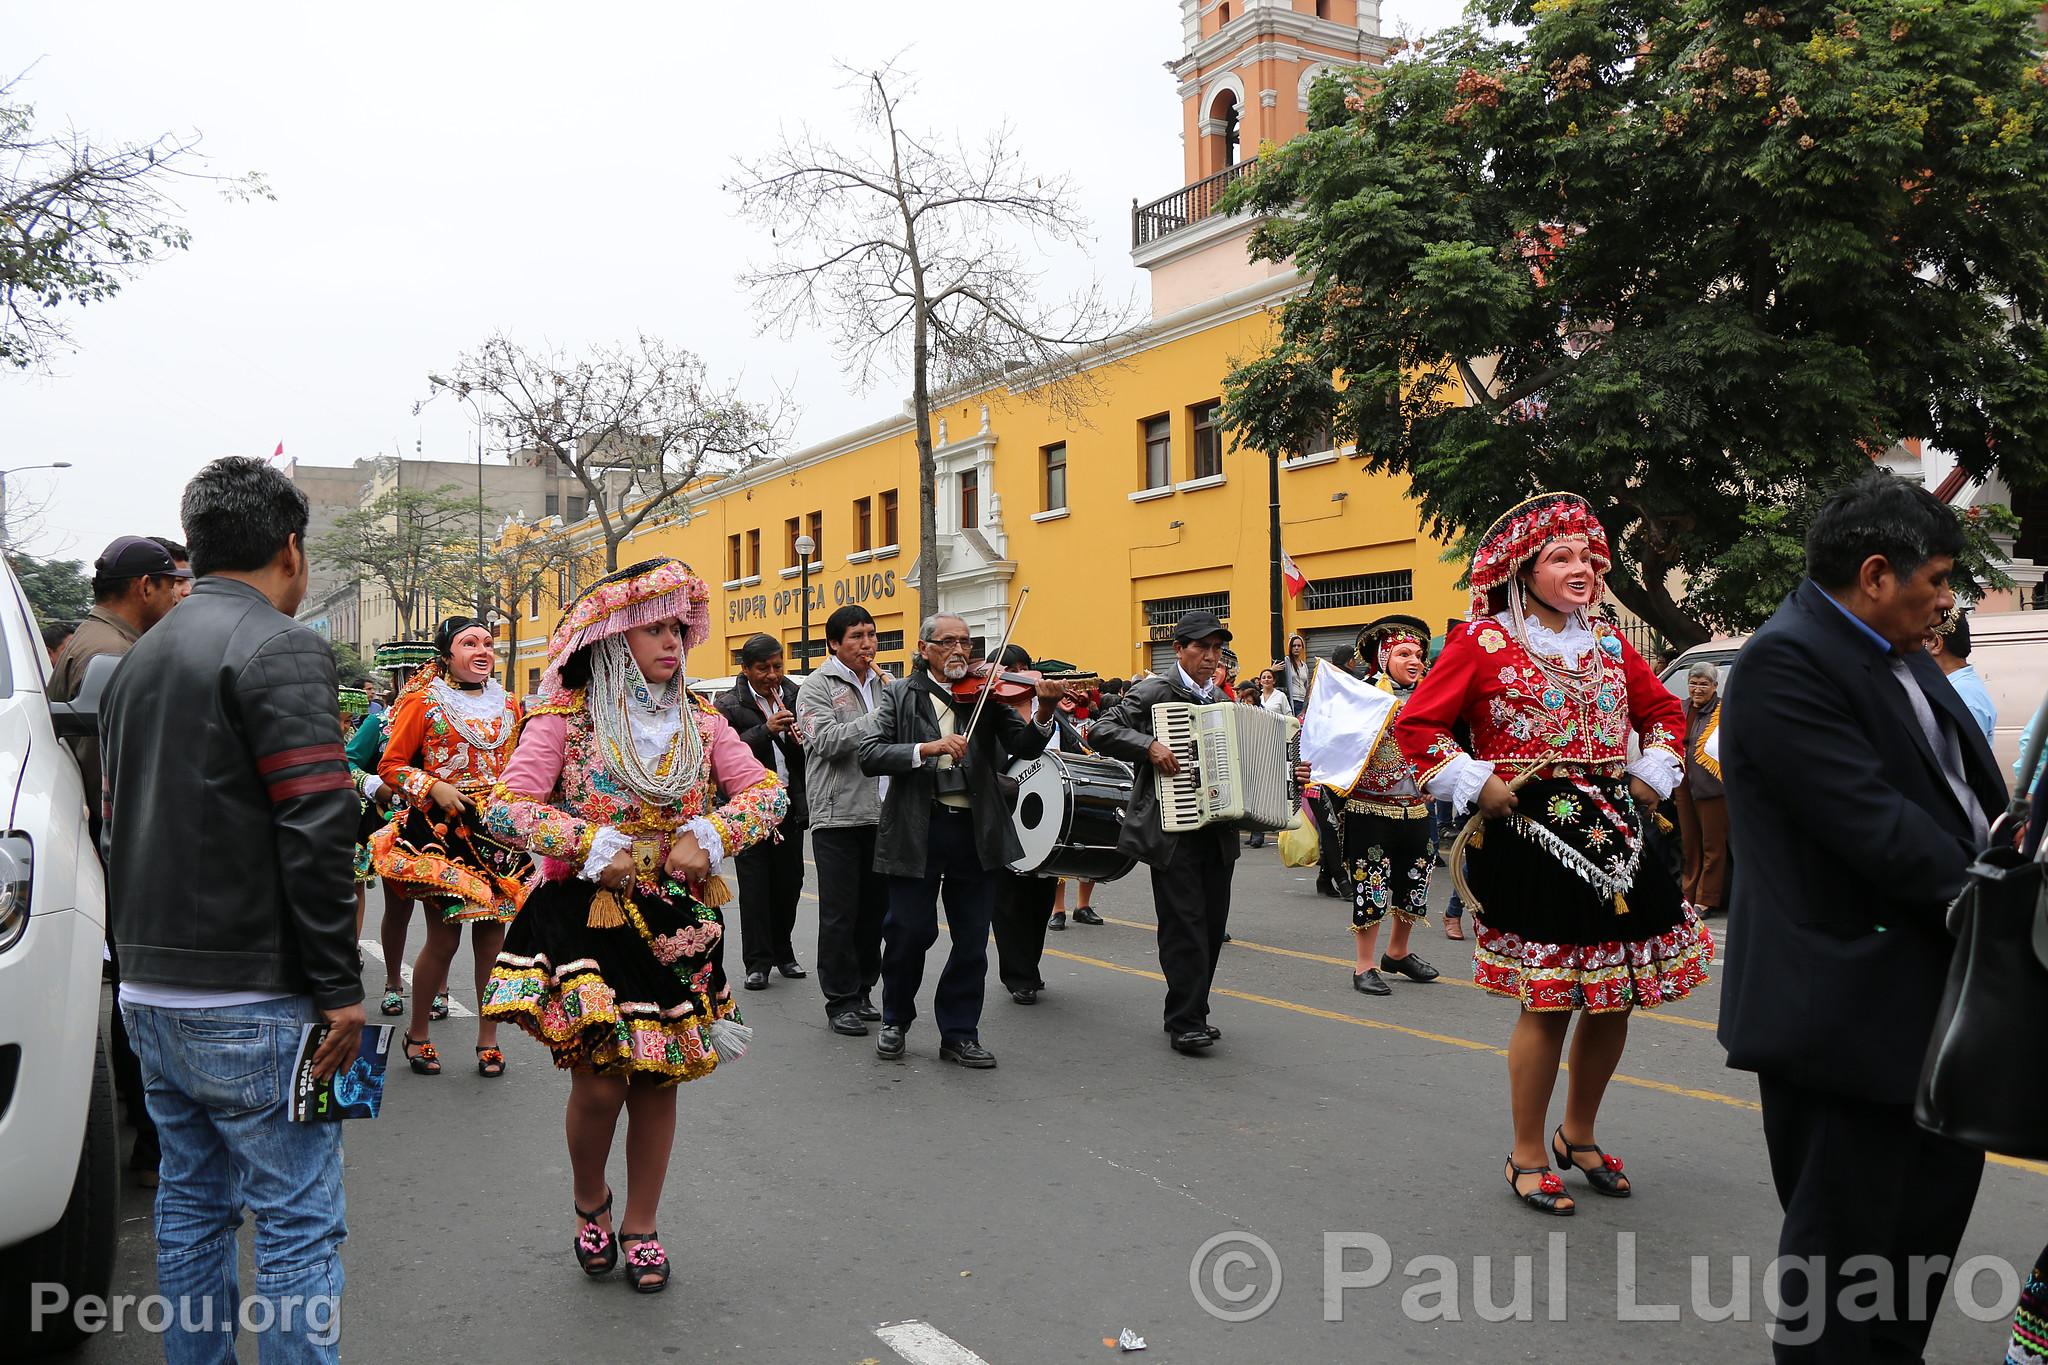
(450, 733)
(613, 963)
(1572, 916)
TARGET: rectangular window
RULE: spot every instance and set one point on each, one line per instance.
(732, 556)
(889, 642)
(554, 505)
(790, 531)
(754, 553)
(1318, 441)
(533, 600)
(863, 525)
(1056, 477)
(1167, 611)
(1208, 452)
(889, 518)
(817, 537)
(1360, 590)
(576, 508)
(970, 499)
(532, 681)
(1158, 451)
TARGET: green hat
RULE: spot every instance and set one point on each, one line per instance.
(354, 702)
(404, 654)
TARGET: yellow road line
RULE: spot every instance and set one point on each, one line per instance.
(1350, 964)
(1450, 1040)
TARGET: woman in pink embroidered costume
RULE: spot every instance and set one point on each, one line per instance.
(450, 734)
(613, 962)
(1572, 917)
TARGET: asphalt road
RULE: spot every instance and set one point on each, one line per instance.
(1029, 1213)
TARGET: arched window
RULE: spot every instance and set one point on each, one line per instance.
(1223, 13)
(1224, 117)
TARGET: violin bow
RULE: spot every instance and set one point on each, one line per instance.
(995, 661)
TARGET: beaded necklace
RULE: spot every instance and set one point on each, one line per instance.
(617, 691)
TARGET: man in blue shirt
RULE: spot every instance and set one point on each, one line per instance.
(1949, 646)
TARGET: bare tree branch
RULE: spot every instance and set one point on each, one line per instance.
(915, 255)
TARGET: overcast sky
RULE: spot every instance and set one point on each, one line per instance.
(445, 170)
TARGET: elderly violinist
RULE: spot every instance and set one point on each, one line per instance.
(944, 826)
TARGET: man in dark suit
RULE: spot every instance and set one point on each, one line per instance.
(1859, 789)
(761, 708)
(1023, 904)
(945, 827)
(1191, 870)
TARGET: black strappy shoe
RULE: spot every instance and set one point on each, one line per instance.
(1606, 1178)
(597, 1251)
(1546, 1197)
(420, 1055)
(646, 1262)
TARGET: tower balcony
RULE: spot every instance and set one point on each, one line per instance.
(1185, 207)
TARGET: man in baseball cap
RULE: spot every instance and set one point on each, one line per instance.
(135, 583)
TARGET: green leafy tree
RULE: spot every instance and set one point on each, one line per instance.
(411, 541)
(533, 569)
(1698, 260)
(80, 217)
(57, 589)
(349, 667)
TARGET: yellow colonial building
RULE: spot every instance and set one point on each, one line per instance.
(1117, 524)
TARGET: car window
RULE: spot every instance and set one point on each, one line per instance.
(19, 605)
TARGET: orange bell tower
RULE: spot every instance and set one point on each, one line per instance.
(1243, 75)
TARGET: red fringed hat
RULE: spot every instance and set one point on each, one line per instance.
(1522, 531)
(637, 595)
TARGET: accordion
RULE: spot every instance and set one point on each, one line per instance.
(1235, 766)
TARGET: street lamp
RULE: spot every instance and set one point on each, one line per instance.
(19, 469)
(804, 546)
(460, 388)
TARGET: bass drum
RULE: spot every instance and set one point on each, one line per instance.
(1070, 809)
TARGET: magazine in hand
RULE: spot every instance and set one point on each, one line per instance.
(354, 1091)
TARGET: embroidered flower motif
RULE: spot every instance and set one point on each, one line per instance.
(1611, 644)
(1553, 698)
(1508, 675)
(1563, 808)
(1492, 641)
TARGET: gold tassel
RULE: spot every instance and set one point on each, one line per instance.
(605, 911)
(714, 894)
(1620, 904)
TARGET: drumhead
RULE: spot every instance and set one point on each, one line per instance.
(1041, 811)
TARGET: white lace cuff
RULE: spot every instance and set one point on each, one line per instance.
(707, 839)
(1459, 781)
(373, 789)
(607, 844)
(1660, 770)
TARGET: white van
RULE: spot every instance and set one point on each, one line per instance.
(59, 1156)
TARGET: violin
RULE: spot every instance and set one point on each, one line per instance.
(1008, 685)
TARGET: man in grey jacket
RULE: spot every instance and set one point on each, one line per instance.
(229, 835)
(835, 710)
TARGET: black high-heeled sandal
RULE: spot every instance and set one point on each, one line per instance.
(597, 1251)
(1547, 1194)
(1606, 1178)
(646, 1262)
(420, 1055)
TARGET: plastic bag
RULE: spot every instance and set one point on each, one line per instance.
(1300, 846)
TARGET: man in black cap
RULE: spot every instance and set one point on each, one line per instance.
(135, 583)
(1190, 871)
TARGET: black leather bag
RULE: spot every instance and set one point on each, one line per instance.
(1978, 1085)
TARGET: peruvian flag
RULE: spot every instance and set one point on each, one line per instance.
(1292, 576)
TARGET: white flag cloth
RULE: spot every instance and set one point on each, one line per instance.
(1345, 720)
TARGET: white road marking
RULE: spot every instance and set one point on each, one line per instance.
(920, 1343)
(372, 948)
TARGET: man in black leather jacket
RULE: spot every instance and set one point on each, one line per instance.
(944, 821)
(229, 839)
(1190, 871)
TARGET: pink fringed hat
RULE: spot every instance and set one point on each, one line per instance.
(1521, 532)
(637, 595)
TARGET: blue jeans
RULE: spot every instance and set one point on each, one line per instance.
(217, 1081)
(952, 867)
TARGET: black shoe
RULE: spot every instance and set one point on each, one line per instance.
(757, 981)
(1058, 920)
(890, 1046)
(1256, 841)
(1027, 996)
(1326, 885)
(1212, 1031)
(848, 1022)
(792, 972)
(866, 1009)
(1368, 982)
(1227, 938)
(1192, 1041)
(969, 1053)
(1411, 966)
(1086, 916)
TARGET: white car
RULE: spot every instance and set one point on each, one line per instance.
(59, 1158)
